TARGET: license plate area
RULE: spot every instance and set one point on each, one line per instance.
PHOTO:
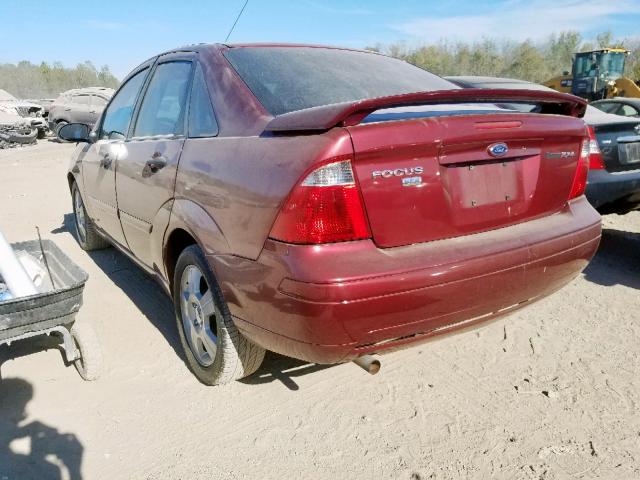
(488, 191)
(629, 153)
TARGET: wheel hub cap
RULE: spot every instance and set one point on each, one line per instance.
(199, 315)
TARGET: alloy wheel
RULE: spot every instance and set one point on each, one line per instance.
(199, 315)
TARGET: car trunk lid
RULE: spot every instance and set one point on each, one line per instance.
(439, 177)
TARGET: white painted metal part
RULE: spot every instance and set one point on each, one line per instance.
(13, 273)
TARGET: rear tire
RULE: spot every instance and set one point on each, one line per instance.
(88, 238)
(59, 125)
(215, 350)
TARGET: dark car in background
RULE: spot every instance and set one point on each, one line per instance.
(626, 107)
(81, 105)
(328, 203)
(613, 184)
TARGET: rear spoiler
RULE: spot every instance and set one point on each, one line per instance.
(352, 113)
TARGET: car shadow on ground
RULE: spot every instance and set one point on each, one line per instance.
(617, 261)
(277, 367)
(157, 307)
(142, 290)
(30, 448)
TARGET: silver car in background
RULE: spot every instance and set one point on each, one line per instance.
(80, 105)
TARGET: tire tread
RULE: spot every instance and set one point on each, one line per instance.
(237, 357)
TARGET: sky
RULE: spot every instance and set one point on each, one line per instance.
(122, 34)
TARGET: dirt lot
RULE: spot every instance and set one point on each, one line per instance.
(550, 392)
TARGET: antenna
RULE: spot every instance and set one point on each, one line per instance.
(237, 18)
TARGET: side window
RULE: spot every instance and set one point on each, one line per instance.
(628, 111)
(608, 107)
(202, 121)
(163, 107)
(118, 116)
(81, 99)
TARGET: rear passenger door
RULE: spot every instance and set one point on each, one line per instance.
(145, 177)
(80, 107)
(97, 106)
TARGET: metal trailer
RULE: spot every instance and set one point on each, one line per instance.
(54, 312)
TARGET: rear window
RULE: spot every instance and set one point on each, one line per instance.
(285, 79)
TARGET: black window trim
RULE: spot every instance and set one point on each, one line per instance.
(197, 63)
(185, 57)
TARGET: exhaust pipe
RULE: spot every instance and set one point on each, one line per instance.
(369, 363)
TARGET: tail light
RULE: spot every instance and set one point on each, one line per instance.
(325, 207)
(595, 156)
(580, 179)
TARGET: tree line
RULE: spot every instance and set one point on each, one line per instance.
(28, 80)
(526, 60)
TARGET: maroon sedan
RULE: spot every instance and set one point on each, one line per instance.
(328, 203)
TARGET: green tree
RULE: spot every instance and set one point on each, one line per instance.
(28, 80)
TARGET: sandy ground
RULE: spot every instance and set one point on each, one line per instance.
(549, 392)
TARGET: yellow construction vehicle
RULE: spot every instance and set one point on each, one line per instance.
(596, 75)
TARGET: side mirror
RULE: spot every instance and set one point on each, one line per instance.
(75, 132)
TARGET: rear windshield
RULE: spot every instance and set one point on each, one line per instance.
(285, 79)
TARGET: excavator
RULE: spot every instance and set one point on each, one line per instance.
(596, 75)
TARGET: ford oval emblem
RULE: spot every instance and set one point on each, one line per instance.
(498, 149)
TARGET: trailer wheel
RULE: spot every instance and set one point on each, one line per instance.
(89, 365)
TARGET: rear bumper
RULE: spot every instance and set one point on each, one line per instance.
(613, 192)
(331, 303)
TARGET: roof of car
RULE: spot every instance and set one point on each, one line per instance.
(89, 90)
(4, 95)
(593, 116)
(293, 45)
(197, 47)
(479, 79)
(632, 101)
(480, 82)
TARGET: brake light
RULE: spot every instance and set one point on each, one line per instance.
(325, 207)
(580, 178)
(595, 156)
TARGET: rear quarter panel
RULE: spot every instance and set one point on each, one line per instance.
(241, 182)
